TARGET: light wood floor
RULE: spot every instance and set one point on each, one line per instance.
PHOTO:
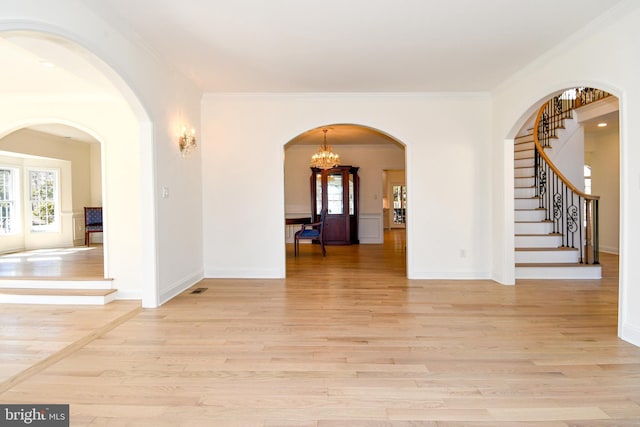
(345, 340)
(76, 263)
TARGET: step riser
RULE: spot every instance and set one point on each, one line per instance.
(530, 203)
(524, 192)
(530, 215)
(524, 172)
(55, 284)
(549, 257)
(542, 241)
(524, 162)
(533, 227)
(586, 272)
(524, 182)
(521, 154)
(524, 145)
(57, 299)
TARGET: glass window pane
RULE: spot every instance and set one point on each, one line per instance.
(318, 193)
(43, 199)
(351, 204)
(7, 213)
(335, 194)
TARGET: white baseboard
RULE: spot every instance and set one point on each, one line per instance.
(180, 286)
(631, 334)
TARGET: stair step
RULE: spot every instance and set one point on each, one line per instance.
(524, 146)
(538, 240)
(522, 154)
(536, 214)
(558, 271)
(55, 283)
(546, 255)
(524, 191)
(533, 227)
(526, 202)
(524, 162)
(524, 181)
(57, 296)
(523, 171)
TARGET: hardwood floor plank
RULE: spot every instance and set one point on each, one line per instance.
(345, 340)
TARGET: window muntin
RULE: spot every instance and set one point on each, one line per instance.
(8, 212)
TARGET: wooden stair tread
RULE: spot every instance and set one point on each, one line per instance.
(556, 264)
(538, 234)
(58, 278)
(562, 248)
(65, 292)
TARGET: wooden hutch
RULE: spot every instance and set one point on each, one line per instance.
(336, 190)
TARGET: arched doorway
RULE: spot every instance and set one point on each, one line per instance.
(54, 80)
(372, 151)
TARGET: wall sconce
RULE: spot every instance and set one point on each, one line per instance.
(187, 141)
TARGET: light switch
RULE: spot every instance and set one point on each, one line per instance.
(165, 192)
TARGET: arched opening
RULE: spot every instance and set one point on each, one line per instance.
(580, 137)
(50, 80)
(51, 172)
(379, 160)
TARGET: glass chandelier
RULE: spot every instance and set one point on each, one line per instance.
(325, 158)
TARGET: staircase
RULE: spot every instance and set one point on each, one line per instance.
(550, 240)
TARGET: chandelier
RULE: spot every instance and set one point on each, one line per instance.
(324, 158)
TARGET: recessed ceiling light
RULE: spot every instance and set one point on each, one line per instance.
(47, 64)
(601, 125)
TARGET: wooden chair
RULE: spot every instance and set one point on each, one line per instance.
(92, 222)
(312, 231)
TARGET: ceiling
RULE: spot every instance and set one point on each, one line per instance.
(304, 46)
(349, 45)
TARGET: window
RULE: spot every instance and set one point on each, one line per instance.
(8, 191)
(43, 195)
(399, 204)
(587, 179)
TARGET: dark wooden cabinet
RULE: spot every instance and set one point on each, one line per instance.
(336, 190)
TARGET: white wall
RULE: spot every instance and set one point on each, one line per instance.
(154, 245)
(567, 152)
(604, 55)
(603, 155)
(446, 139)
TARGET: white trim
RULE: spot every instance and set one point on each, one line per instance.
(454, 275)
(370, 228)
(630, 333)
(180, 286)
(55, 284)
(220, 273)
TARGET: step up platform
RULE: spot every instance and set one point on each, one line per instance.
(57, 296)
(39, 290)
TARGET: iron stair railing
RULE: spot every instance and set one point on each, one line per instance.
(573, 213)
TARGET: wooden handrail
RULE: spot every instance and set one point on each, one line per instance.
(576, 221)
(553, 167)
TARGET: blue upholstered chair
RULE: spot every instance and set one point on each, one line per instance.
(312, 231)
(92, 222)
